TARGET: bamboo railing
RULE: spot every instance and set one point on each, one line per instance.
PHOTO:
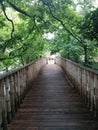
(14, 86)
(83, 79)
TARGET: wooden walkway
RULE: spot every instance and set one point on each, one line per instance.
(52, 104)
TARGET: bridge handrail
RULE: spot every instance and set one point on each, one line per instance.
(4, 75)
(85, 80)
(14, 85)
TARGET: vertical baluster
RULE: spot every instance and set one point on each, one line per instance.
(23, 83)
(18, 88)
(81, 82)
(23, 77)
(76, 76)
(36, 66)
(20, 83)
(12, 95)
(33, 70)
(16, 97)
(0, 103)
(96, 95)
(92, 92)
(8, 105)
(24, 73)
(30, 74)
(27, 78)
(3, 106)
(87, 83)
(36, 69)
(89, 88)
(22, 86)
(84, 84)
(78, 79)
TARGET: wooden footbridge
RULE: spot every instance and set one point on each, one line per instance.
(41, 96)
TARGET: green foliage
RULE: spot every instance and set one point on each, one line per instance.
(72, 51)
(32, 19)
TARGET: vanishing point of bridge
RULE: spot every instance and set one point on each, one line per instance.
(42, 96)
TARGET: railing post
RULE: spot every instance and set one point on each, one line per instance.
(20, 86)
(8, 105)
(87, 87)
(24, 81)
(84, 84)
(12, 95)
(3, 106)
(81, 82)
(15, 86)
(92, 92)
(27, 78)
(96, 95)
(0, 104)
(16, 97)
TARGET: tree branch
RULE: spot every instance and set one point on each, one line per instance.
(33, 16)
(10, 20)
(20, 10)
(74, 36)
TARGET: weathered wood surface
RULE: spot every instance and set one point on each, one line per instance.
(52, 104)
(85, 80)
(14, 86)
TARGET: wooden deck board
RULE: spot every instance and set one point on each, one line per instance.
(52, 104)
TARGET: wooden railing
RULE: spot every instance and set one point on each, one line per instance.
(14, 86)
(83, 79)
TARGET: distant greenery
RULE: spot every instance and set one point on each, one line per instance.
(23, 25)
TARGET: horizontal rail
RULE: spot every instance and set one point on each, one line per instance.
(83, 79)
(14, 86)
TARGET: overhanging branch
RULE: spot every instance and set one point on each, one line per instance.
(33, 16)
(20, 10)
(10, 20)
(61, 22)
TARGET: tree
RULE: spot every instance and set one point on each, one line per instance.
(24, 39)
(89, 31)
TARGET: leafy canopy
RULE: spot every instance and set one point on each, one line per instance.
(23, 25)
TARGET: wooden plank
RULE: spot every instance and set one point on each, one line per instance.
(52, 104)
